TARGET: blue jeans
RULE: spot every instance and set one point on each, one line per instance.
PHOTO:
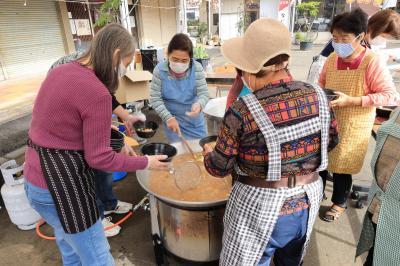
(89, 247)
(105, 197)
(287, 240)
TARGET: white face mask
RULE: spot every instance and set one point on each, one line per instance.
(246, 84)
(122, 70)
(378, 43)
(178, 68)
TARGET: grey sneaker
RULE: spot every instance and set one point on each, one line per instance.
(121, 208)
(140, 140)
(110, 232)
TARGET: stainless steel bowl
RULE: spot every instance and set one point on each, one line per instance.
(214, 112)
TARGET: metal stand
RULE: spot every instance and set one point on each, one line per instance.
(360, 194)
(159, 251)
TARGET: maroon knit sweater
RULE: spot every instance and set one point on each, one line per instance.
(73, 111)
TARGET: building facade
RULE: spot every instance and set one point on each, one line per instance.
(32, 36)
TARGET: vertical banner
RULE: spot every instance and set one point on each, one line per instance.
(283, 12)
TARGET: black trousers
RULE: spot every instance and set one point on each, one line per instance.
(341, 186)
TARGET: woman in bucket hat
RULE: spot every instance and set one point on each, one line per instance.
(273, 141)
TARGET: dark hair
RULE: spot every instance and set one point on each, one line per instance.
(351, 22)
(181, 42)
(277, 60)
(385, 21)
(101, 51)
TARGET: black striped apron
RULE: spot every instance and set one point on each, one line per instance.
(70, 182)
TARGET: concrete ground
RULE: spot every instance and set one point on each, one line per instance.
(331, 244)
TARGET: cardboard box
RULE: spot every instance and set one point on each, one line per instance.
(134, 86)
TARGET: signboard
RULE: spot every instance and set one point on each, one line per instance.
(283, 12)
(72, 26)
(83, 27)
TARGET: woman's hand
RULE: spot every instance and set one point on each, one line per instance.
(128, 151)
(196, 108)
(207, 149)
(132, 119)
(155, 164)
(346, 100)
(173, 125)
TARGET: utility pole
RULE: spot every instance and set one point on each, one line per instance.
(90, 17)
(209, 17)
(219, 18)
(124, 13)
(184, 17)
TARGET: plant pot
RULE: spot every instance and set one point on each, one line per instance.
(203, 62)
(306, 45)
(296, 41)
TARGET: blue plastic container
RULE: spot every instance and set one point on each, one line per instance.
(117, 176)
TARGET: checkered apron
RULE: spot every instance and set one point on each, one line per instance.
(252, 212)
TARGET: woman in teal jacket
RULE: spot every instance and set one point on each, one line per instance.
(179, 91)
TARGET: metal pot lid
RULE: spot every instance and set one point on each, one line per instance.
(215, 107)
(143, 177)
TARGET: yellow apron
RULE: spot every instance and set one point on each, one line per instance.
(354, 122)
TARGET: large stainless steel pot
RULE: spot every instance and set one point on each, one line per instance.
(189, 230)
(214, 112)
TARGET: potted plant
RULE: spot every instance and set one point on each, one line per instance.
(298, 37)
(309, 11)
(201, 56)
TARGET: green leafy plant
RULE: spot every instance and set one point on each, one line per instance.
(108, 13)
(200, 52)
(244, 20)
(309, 11)
(194, 22)
(299, 36)
(202, 30)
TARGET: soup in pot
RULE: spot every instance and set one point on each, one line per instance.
(209, 189)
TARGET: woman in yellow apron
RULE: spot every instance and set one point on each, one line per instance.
(362, 82)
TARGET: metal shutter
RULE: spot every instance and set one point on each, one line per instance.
(30, 37)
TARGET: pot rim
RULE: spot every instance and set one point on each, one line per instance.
(143, 177)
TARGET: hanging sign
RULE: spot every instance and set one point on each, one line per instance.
(83, 27)
(283, 12)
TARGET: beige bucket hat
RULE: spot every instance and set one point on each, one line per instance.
(264, 39)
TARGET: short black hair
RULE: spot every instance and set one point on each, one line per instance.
(354, 22)
(181, 42)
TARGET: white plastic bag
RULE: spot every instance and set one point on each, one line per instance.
(315, 69)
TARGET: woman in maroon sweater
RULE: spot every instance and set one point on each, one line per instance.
(70, 135)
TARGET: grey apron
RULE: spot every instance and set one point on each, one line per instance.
(252, 212)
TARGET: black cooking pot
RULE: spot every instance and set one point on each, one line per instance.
(207, 140)
(146, 125)
(159, 149)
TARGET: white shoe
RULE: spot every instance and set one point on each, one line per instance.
(110, 232)
(121, 208)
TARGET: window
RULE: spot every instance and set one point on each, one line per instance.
(253, 15)
(215, 19)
